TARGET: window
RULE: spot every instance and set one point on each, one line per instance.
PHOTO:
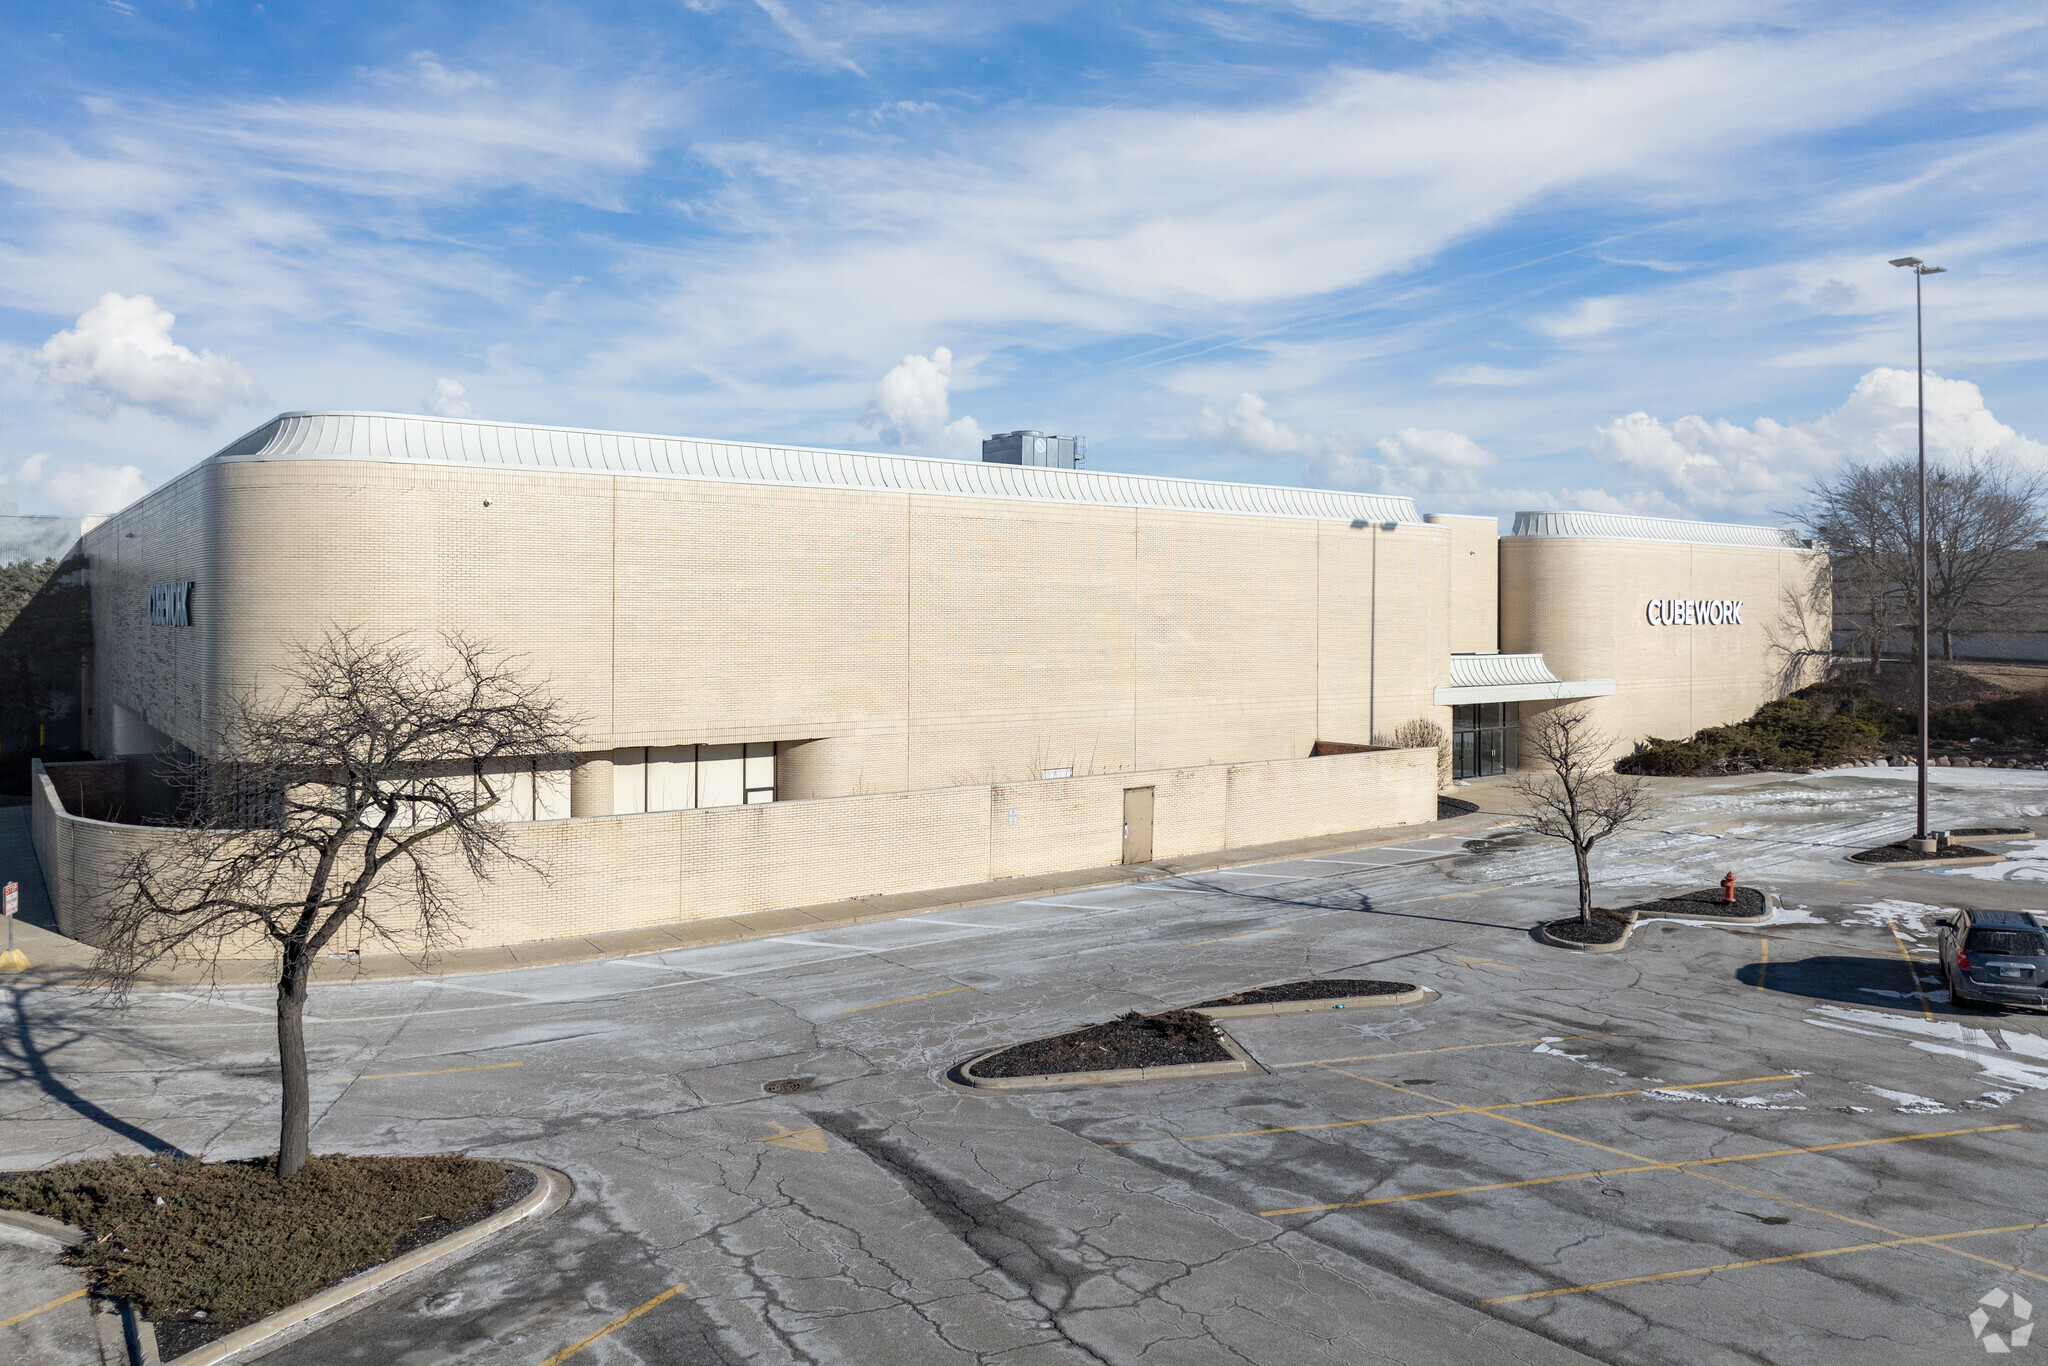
(2013, 943)
(1485, 739)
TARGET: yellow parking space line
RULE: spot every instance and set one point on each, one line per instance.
(1798, 939)
(27, 1314)
(1287, 1129)
(1454, 1048)
(1691, 1169)
(441, 1071)
(620, 1322)
(1760, 1261)
(1639, 1091)
(1863, 1223)
(1764, 965)
(1477, 891)
(1248, 934)
(1454, 1110)
(1643, 1167)
(904, 1000)
(1911, 971)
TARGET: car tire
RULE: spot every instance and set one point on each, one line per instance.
(1956, 997)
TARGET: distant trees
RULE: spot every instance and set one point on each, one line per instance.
(45, 632)
(1980, 515)
(349, 798)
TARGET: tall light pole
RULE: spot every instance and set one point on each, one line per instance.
(1922, 841)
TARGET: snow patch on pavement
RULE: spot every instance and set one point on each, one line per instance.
(1770, 1102)
(1914, 919)
(1579, 1058)
(1910, 1104)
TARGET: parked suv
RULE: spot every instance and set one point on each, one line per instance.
(1996, 958)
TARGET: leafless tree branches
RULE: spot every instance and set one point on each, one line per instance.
(1571, 791)
(345, 797)
(1980, 515)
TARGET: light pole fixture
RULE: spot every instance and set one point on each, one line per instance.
(1922, 841)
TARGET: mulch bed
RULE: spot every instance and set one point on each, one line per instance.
(1314, 989)
(1981, 830)
(1164, 1040)
(204, 1248)
(1603, 930)
(1903, 853)
(1705, 904)
(1447, 807)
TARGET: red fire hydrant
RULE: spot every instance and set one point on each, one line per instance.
(1728, 886)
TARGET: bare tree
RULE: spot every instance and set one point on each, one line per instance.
(1980, 515)
(1863, 516)
(349, 796)
(1571, 792)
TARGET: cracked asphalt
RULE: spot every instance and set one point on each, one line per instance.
(1755, 1144)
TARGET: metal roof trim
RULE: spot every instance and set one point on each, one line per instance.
(404, 438)
(1621, 526)
(1512, 678)
(1499, 670)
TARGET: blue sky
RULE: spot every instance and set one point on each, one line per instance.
(1495, 255)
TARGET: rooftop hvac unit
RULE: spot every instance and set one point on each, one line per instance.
(1034, 448)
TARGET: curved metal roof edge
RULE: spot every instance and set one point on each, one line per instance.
(918, 474)
(1500, 670)
(1624, 526)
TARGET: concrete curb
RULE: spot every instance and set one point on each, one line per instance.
(1544, 936)
(550, 1192)
(33, 1230)
(1926, 862)
(1771, 905)
(1392, 998)
(1240, 1064)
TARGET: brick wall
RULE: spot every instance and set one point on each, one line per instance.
(625, 872)
(893, 641)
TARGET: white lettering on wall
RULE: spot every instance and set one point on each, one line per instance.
(170, 604)
(1694, 612)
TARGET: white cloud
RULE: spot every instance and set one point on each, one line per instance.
(1248, 427)
(912, 406)
(446, 400)
(120, 351)
(1586, 318)
(1755, 468)
(1447, 471)
(1837, 296)
(85, 487)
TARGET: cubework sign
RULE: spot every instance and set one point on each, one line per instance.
(170, 604)
(1694, 612)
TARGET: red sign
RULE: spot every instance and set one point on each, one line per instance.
(13, 898)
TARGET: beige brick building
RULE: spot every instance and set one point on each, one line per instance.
(808, 675)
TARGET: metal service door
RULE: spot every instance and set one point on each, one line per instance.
(1137, 825)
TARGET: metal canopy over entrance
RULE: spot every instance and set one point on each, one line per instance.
(1513, 678)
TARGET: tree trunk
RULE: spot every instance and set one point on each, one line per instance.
(1948, 646)
(291, 1059)
(1585, 886)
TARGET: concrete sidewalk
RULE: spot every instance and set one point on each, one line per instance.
(55, 960)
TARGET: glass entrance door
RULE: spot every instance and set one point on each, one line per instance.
(1484, 739)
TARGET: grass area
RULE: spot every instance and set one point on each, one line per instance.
(226, 1243)
(1823, 724)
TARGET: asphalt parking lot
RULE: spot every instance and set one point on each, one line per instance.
(1775, 1144)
